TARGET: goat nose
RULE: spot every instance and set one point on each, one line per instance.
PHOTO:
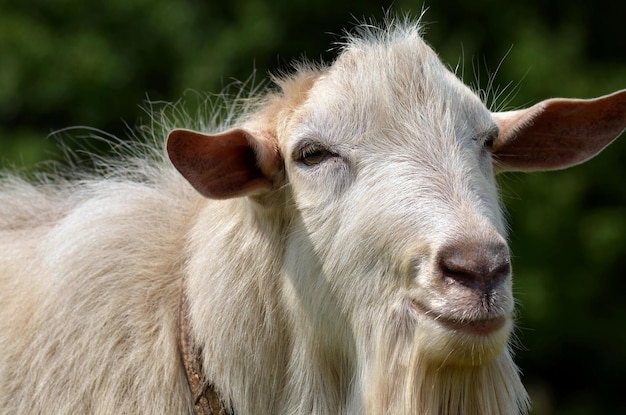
(475, 265)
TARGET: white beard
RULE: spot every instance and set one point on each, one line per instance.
(403, 377)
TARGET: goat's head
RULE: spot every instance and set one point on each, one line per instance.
(389, 164)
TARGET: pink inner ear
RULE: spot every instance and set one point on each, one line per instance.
(558, 133)
(219, 166)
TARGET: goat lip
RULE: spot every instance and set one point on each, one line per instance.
(479, 327)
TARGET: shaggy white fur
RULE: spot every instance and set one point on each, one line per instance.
(353, 260)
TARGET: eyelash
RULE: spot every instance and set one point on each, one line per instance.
(488, 142)
(312, 155)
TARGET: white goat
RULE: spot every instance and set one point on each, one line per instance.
(340, 249)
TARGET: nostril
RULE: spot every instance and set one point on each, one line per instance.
(456, 271)
(480, 266)
(502, 272)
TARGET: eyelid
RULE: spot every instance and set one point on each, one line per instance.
(493, 133)
(303, 146)
(488, 141)
(314, 155)
(488, 137)
(311, 153)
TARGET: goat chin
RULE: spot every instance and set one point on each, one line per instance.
(457, 342)
(444, 372)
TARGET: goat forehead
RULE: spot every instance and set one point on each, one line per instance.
(402, 119)
(393, 89)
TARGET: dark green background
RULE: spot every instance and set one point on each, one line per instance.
(68, 62)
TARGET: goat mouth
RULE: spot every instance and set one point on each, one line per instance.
(478, 326)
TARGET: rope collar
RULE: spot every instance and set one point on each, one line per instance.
(206, 400)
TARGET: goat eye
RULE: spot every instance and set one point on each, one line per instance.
(312, 155)
(488, 143)
(490, 139)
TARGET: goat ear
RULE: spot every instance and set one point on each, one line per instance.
(557, 133)
(225, 165)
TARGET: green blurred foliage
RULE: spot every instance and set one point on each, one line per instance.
(68, 62)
